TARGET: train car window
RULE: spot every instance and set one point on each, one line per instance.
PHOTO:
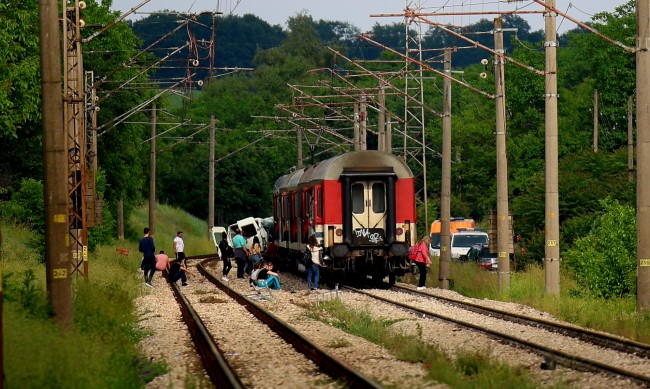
(309, 202)
(358, 198)
(319, 195)
(296, 204)
(285, 210)
(378, 197)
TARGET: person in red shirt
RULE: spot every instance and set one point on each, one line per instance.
(420, 255)
(162, 261)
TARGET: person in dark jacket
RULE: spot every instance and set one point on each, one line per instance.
(148, 250)
(179, 271)
(226, 254)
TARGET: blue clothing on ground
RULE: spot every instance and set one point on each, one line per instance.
(272, 282)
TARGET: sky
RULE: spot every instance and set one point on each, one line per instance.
(357, 12)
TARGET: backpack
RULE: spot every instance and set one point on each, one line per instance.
(254, 275)
(306, 257)
(413, 252)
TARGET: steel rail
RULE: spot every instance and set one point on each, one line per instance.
(550, 354)
(330, 365)
(215, 364)
(598, 338)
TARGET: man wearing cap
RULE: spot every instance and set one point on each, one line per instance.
(241, 253)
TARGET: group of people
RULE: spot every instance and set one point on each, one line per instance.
(151, 262)
(250, 260)
(259, 268)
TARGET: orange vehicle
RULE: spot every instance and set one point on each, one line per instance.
(455, 224)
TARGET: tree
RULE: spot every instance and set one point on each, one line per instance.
(604, 261)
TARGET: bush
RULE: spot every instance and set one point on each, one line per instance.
(27, 205)
(604, 261)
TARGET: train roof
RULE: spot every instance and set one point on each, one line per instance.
(294, 178)
(306, 176)
(288, 181)
(357, 162)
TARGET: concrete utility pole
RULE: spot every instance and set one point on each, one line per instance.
(300, 159)
(57, 254)
(152, 173)
(381, 120)
(595, 120)
(389, 133)
(445, 190)
(357, 128)
(643, 153)
(552, 231)
(2, 364)
(630, 139)
(211, 179)
(503, 225)
(363, 128)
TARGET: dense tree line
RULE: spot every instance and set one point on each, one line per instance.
(253, 149)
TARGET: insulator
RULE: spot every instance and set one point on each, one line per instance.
(82, 5)
(483, 75)
(199, 83)
(195, 62)
(484, 61)
(82, 23)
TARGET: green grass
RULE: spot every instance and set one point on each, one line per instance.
(617, 316)
(169, 221)
(465, 370)
(100, 351)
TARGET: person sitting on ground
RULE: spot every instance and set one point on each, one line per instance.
(178, 270)
(162, 261)
(266, 277)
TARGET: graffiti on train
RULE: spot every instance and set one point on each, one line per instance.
(369, 235)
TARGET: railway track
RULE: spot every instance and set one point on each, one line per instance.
(597, 338)
(224, 373)
(571, 346)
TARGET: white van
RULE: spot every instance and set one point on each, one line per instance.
(463, 240)
(217, 232)
(250, 227)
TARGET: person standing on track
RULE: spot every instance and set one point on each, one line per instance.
(179, 246)
(226, 254)
(241, 253)
(148, 249)
(313, 269)
(420, 255)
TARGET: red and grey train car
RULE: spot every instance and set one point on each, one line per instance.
(361, 208)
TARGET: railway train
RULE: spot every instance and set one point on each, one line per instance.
(360, 206)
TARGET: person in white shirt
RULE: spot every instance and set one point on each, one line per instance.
(179, 246)
(313, 268)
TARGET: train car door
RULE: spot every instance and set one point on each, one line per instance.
(368, 212)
